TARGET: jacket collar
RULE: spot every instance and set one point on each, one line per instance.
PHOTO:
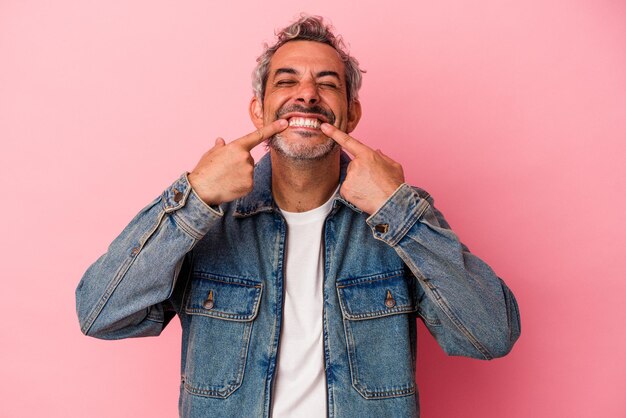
(260, 199)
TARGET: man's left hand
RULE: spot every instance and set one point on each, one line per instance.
(372, 177)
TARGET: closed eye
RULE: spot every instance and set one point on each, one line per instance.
(285, 83)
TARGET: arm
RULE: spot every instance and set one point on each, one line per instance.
(466, 307)
(126, 292)
(132, 291)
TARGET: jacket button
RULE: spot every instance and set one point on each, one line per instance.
(208, 303)
(382, 228)
(178, 196)
(390, 302)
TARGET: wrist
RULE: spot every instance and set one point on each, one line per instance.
(201, 191)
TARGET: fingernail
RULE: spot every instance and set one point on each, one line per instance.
(282, 122)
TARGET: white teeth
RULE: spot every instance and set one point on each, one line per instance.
(305, 122)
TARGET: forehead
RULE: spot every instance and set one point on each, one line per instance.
(305, 56)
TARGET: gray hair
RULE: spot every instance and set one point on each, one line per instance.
(308, 28)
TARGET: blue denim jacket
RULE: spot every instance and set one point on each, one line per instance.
(221, 271)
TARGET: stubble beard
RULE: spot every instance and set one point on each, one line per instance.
(303, 151)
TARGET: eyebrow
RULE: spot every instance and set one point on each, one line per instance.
(285, 71)
(288, 70)
(328, 73)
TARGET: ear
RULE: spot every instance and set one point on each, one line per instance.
(354, 115)
(256, 112)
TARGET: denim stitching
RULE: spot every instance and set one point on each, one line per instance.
(446, 309)
(117, 278)
(227, 316)
(351, 348)
(226, 390)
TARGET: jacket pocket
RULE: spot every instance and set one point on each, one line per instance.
(380, 333)
(221, 313)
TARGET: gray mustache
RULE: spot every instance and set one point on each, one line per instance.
(311, 110)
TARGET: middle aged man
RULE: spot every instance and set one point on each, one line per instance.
(298, 281)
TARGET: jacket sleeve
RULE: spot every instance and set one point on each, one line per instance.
(466, 307)
(127, 291)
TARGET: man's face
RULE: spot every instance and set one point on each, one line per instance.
(306, 85)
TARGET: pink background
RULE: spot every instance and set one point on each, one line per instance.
(511, 113)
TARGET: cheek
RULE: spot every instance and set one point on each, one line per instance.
(269, 112)
(337, 104)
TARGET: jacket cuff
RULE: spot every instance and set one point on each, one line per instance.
(397, 215)
(192, 213)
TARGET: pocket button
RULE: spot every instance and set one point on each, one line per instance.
(208, 303)
(390, 302)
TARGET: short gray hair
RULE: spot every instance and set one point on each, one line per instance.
(308, 28)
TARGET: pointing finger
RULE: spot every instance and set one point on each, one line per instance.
(255, 138)
(348, 143)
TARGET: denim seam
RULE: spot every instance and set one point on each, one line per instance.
(240, 281)
(354, 370)
(226, 390)
(446, 308)
(330, 404)
(279, 251)
(378, 314)
(350, 349)
(226, 316)
(412, 219)
(188, 229)
(118, 277)
(354, 373)
(413, 216)
(369, 279)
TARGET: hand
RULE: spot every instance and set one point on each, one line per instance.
(372, 177)
(225, 172)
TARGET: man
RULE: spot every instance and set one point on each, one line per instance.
(297, 282)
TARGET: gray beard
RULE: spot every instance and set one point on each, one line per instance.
(301, 152)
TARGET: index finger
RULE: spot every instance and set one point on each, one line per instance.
(347, 142)
(255, 138)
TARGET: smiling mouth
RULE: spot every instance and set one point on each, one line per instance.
(300, 122)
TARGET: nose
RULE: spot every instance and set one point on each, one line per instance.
(307, 93)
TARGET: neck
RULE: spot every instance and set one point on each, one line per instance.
(299, 186)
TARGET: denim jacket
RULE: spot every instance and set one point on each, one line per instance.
(220, 270)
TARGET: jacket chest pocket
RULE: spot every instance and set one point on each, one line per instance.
(380, 334)
(221, 312)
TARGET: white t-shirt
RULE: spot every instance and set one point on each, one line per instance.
(300, 385)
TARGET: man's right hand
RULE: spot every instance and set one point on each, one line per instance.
(225, 172)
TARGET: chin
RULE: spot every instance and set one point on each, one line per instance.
(302, 151)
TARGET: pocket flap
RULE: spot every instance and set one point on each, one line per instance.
(376, 296)
(225, 298)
